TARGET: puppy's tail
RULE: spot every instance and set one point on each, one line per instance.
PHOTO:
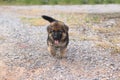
(50, 19)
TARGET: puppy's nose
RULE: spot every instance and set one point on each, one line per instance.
(55, 36)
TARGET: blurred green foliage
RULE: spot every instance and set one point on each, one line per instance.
(55, 2)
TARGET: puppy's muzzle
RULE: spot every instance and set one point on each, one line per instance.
(57, 37)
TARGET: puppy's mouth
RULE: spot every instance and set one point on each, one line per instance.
(56, 42)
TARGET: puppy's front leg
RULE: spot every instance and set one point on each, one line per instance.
(62, 52)
(52, 50)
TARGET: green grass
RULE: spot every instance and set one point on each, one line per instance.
(54, 2)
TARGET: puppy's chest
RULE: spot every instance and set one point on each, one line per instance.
(57, 48)
(58, 45)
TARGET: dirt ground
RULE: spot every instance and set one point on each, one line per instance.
(93, 52)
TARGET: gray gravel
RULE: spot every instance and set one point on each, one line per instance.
(24, 55)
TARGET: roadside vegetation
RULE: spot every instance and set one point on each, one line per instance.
(55, 2)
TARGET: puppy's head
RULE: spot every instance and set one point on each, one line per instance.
(57, 30)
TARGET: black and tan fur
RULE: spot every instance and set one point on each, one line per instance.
(58, 37)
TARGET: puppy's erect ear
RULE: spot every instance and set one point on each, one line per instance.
(66, 28)
(50, 19)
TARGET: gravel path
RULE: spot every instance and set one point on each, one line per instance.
(24, 55)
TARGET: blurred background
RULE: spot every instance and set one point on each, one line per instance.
(55, 2)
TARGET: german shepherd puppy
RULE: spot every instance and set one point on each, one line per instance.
(58, 37)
